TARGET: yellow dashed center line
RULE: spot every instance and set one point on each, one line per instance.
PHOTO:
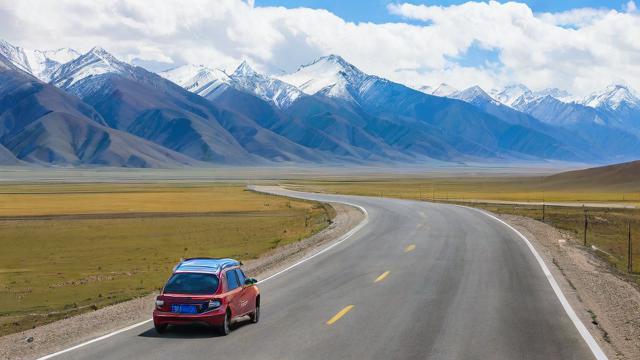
(409, 248)
(382, 276)
(340, 314)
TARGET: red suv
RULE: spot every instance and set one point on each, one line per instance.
(208, 291)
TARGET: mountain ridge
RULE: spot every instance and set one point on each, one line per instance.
(329, 111)
(42, 124)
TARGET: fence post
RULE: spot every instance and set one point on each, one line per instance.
(586, 224)
(543, 211)
(629, 251)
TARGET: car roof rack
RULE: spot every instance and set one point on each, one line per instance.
(205, 265)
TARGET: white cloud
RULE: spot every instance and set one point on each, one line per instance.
(579, 50)
(574, 18)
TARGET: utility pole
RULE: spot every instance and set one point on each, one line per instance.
(586, 224)
(629, 251)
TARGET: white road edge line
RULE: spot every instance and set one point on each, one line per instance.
(338, 242)
(584, 332)
(95, 340)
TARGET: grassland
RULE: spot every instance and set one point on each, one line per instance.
(607, 227)
(507, 188)
(72, 248)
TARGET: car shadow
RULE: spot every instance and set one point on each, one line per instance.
(194, 331)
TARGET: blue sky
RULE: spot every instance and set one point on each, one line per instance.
(376, 11)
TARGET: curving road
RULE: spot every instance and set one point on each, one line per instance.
(417, 281)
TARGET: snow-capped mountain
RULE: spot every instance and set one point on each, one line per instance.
(44, 63)
(444, 90)
(612, 98)
(42, 124)
(16, 55)
(473, 95)
(95, 62)
(198, 79)
(326, 111)
(41, 64)
(512, 94)
(559, 94)
(210, 83)
(520, 97)
(330, 76)
(551, 106)
(273, 90)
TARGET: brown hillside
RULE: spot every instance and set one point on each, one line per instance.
(622, 177)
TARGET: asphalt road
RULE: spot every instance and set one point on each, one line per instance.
(418, 281)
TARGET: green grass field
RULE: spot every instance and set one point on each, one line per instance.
(72, 248)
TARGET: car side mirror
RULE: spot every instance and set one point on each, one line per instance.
(250, 281)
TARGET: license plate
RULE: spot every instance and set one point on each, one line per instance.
(184, 309)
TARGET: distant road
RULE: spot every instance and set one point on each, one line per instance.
(419, 281)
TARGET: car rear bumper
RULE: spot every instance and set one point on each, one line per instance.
(211, 318)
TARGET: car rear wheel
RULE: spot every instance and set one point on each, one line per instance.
(224, 328)
(160, 329)
(255, 316)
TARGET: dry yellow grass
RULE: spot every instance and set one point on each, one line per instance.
(124, 198)
(527, 189)
(59, 266)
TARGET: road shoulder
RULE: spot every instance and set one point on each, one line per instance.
(68, 332)
(606, 303)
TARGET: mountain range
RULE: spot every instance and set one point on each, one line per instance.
(63, 108)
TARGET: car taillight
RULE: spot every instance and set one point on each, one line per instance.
(159, 304)
(214, 304)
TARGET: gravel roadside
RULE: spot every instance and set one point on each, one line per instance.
(606, 302)
(65, 333)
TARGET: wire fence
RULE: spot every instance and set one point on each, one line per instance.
(614, 233)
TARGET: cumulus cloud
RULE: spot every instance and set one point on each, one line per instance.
(576, 18)
(579, 50)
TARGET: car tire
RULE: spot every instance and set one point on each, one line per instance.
(160, 329)
(224, 328)
(255, 316)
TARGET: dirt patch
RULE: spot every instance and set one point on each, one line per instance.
(65, 333)
(607, 303)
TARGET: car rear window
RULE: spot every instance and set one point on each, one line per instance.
(192, 283)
